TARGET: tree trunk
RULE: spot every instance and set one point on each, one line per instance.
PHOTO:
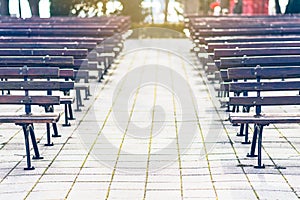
(166, 10)
(4, 8)
(238, 7)
(277, 7)
(104, 8)
(293, 7)
(151, 12)
(34, 7)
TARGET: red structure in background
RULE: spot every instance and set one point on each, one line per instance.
(251, 7)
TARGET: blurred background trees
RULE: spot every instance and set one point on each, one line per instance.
(147, 10)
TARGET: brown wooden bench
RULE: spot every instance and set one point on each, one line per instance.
(63, 62)
(267, 79)
(27, 119)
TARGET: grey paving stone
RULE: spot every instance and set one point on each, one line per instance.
(97, 157)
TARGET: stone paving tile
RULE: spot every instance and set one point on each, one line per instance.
(87, 194)
(236, 194)
(104, 157)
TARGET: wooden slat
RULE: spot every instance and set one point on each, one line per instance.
(76, 53)
(21, 39)
(264, 119)
(29, 119)
(265, 86)
(263, 72)
(32, 100)
(36, 60)
(49, 45)
(20, 72)
(265, 101)
(66, 73)
(253, 61)
(256, 52)
(57, 32)
(36, 85)
(212, 46)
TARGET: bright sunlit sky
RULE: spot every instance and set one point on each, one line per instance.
(157, 8)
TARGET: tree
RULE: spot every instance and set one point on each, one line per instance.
(34, 7)
(104, 6)
(277, 7)
(133, 9)
(4, 8)
(238, 7)
(74, 7)
(166, 10)
(60, 7)
(293, 7)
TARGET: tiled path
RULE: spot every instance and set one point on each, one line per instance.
(145, 134)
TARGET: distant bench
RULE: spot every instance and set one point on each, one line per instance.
(28, 118)
(89, 60)
(102, 36)
(249, 58)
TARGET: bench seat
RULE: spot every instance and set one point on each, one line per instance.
(264, 119)
(30, 119)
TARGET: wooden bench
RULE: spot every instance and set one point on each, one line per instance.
(90, 60)
(249, 61)
(27, 119)
(63, 62)
(263, 75)
(105, 32)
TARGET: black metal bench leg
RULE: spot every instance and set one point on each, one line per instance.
(247, 141)
(55, 130)
(78, 100)
(34, 143)
(66, 117)
(259, 146)
(241, 133)
(86, 93)
(253, 145)
(26, 134)
(228, 108)
(100, 75)
(233, 109)
(219, 93)
(48, 136)
(71, 116)
(89, 92)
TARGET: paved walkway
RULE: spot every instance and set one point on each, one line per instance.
(152, 130)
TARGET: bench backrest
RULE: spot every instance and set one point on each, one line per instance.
(253, 61)
(261, 73)
(76, 53)
(266, 51)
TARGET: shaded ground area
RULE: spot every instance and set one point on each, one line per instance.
(152, 130)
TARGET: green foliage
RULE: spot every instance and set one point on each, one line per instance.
(133, 9)
(61, 7)
(73, 7)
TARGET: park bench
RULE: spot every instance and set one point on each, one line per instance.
(63, 62)
(249, 61)
(24, 96)
(267, 79)
(106, 32)
(93, 62)
(256, 63)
